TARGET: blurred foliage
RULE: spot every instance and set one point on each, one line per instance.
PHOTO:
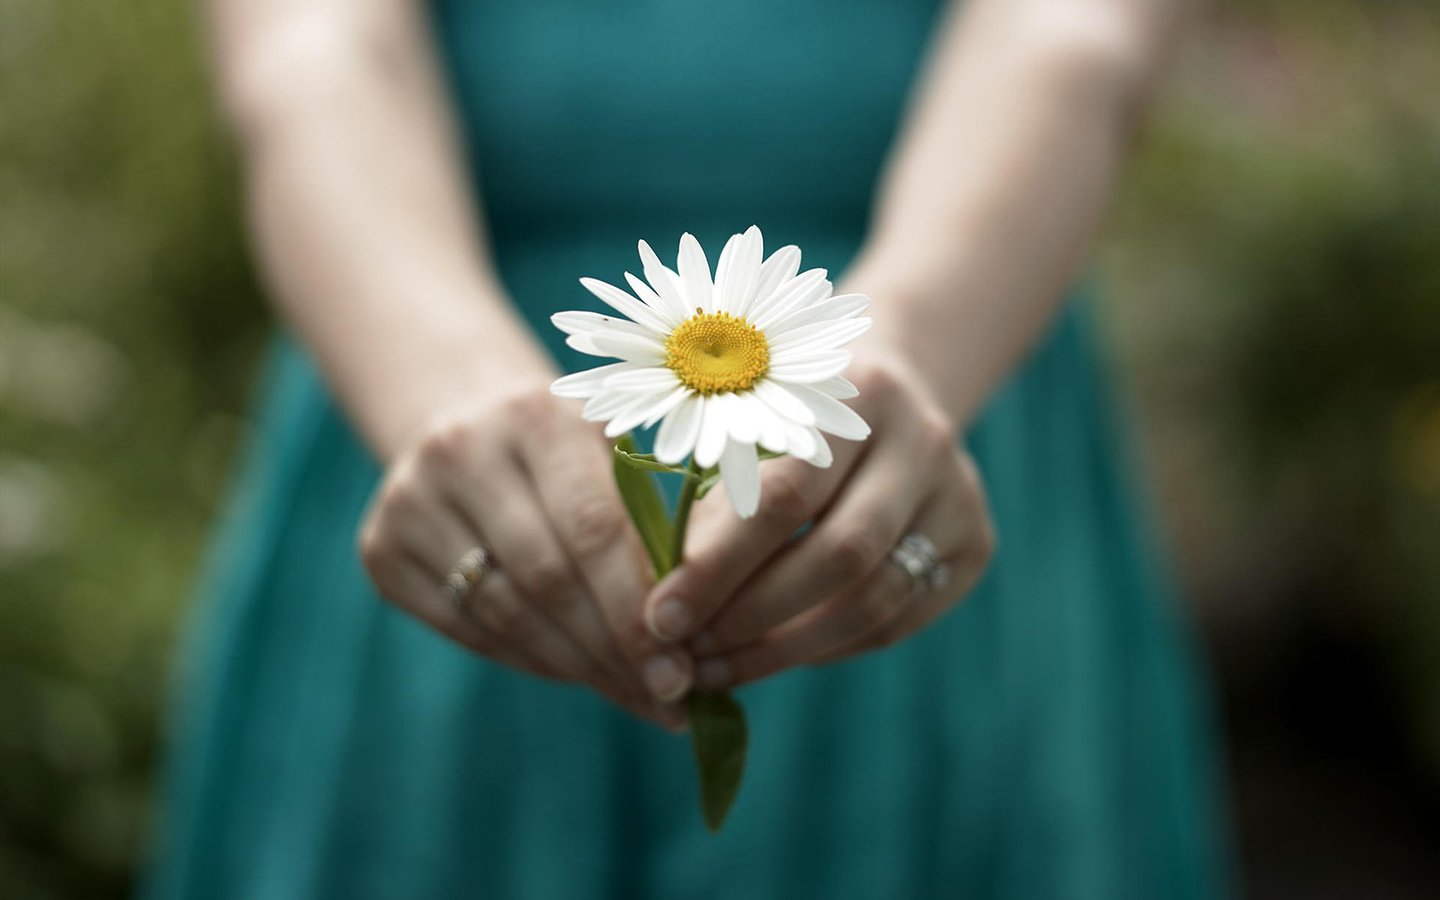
(1275, 294)
(128, 328)
(1274, 271)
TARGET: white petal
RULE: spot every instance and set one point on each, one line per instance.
(583, 326)
(633, 413)
(695, 274)
(664, 281)
(800, 292)
(744, 420)
(778, 269)
(714, 430)
(580, 321)
(783, 402)
(740, 470)
(663, 308)
(735, 290)
(582, 385)
(831, 309)
(772, 429)
(585, 344)
(821, 456)
(819, 336)
(661, 409)
(627, 305)
(800, 440)
(809, 368)
(631, 347)
(643, 378)
(831, 415)
(722, 271)
(678, 431)
(604, 405)
(838, 387)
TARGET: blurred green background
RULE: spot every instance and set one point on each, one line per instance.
(1273, 305)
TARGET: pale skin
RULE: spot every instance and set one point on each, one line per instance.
(989, 201)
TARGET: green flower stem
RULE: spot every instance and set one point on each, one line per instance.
(718, 730)
(682, 513)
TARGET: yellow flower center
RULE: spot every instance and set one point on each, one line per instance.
(717, 352)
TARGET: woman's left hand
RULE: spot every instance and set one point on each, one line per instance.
(752, 600)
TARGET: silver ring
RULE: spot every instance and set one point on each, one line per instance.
(917, 558)
(467, 573)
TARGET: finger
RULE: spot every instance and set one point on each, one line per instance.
(852, 539)
(494, 498)
(498, 606)
(499, 609)
(967, 563)
(573, 474)
(411, 585)
(860, 617)
(499, 634)
(832, 623)
(436, 535)
(723, 550)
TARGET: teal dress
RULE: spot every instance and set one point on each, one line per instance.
(1045, 740)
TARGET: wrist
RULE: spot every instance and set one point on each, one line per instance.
(442, 362)
(909, 329)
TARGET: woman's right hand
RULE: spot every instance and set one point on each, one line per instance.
(523, 476)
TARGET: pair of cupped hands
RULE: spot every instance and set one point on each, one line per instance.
(572, 596)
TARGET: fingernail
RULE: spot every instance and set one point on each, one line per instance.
(670, 619)
(665, 677)
(712, 674)
(704, 643)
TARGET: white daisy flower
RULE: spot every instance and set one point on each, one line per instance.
(751, 358)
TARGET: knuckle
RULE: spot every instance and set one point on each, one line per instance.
(878, 606)
(986, 543)
(970, 475)
(531, 410)
(785, 499)
(402, 494)
(369, 546)
(937, 436)
(446, 443)
(875, 381)
(855, 551)
(547, 579)
(374, 552)
(506, 618)
(595, 523)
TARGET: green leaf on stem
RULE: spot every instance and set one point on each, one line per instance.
(720, 738)
(710, 477)
(646, 461)
(642, 500)
(707, 482)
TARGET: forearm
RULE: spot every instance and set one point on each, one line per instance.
(1000, 180)
(360, 211)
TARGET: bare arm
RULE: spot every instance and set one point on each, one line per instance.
(989, 204)
(369, 238)
(361, 211)
(1003, 171)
